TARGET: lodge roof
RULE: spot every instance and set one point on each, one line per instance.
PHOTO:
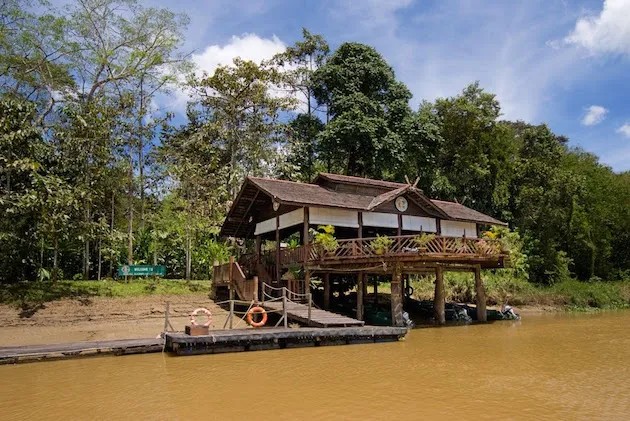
(307, 194)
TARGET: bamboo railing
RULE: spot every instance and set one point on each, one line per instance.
(401, 246)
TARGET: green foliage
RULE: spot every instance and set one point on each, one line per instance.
(423, 239)
(324, 237)
(381, 244)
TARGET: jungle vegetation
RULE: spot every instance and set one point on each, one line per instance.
(92, 175)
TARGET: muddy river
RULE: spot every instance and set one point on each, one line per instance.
(545, 367)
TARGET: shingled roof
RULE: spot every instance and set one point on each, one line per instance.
(460, 212)
(307, 194)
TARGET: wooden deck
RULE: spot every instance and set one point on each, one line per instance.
(318, 318)
(32, 353)
(405, 248)
(239, 340)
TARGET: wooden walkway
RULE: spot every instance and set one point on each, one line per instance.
(319, 318)
(31, 353)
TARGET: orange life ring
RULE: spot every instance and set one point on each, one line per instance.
(256, 310)
(205, 311)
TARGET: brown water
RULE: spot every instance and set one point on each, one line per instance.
(544, 367)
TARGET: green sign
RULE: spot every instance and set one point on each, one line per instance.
(141, 270)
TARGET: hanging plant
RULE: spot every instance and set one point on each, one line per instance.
(423, 240)
(381, 244)
(324, 238)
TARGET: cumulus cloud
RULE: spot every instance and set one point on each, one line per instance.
(247, 46)
(608, 32)
(624, 130)
(595, 114)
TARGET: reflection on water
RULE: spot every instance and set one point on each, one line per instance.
(549, 366)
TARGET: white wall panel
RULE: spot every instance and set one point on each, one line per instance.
(458, 228)
(379, 219)
(265, 226)
(419, 223)
(292, 218)
(336, 217)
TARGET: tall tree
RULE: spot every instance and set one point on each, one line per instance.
(369, 110)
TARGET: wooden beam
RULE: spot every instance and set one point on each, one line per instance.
(360, 282)
(438, 299)
(246, 212)
(360, 225)
(326, 291)
(396, 298)
(258, 248)
(278, 266)
(482, 315)
(399, 224)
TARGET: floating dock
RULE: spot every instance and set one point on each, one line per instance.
(33, 353)
(240, 340)
(218, 341)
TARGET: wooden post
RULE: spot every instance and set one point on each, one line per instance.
(360, 281)
(231, 278)
(482, 315)
(255, 280)
(284, 308)
(375, 290)
(360, 231)
(310, 305)
(396, 298)
(438, 299)
(231, 312)
(399, 232)
(258, 248)
(305, 242)
(278, 267)
(326, 291)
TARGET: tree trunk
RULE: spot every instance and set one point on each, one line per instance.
(130, 215)
(86, 246)
(188, 257)
(98, 276)
(55, 259)
(112, 263)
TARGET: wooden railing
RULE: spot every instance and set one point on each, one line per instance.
(406, 245)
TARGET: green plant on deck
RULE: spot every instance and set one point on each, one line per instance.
(324, 238)
(423, 240)
(381, 244)
(293, 243)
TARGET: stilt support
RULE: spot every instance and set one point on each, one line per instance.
(482, 315)
(438, 300)
(326, 291)
(396, 298)
(360, 282)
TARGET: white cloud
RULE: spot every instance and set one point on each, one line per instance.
(247, 46)
(624, 130)
(609, 32)
(595, 114)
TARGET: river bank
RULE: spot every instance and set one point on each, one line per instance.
(72, 311)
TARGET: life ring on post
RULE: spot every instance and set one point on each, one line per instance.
(409, 291)
(205, 311)
(256, 310)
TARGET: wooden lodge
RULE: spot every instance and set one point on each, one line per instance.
(425, 236)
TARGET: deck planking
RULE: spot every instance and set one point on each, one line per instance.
(32, 353)
(319, 318)
(239, 340)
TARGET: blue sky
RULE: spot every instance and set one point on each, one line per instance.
(564, 63)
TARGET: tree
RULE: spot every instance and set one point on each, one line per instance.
(369, 110)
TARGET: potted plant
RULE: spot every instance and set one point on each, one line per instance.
(381, 244)
(324, 239)
(423, 240)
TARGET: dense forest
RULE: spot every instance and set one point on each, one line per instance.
(93, 174)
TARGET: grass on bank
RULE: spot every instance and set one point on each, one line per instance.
(501, 289)
(30, 295)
